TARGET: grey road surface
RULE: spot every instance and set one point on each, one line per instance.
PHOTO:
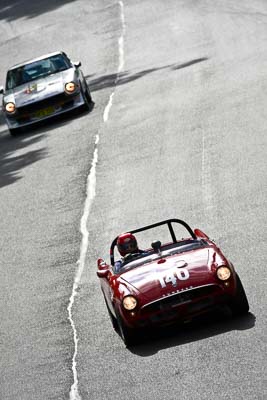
(178, 129)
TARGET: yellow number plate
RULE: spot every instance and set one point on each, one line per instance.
(44, 112)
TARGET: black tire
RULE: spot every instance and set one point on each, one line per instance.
(14, 131)
(112, 318)
(88, 95)
(127, 334)
(239, 304)
(87, 99)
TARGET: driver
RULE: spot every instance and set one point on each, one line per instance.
(128, 249)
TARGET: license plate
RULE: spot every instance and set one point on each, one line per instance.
(44, 112)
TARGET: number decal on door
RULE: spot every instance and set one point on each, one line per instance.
(181, 274)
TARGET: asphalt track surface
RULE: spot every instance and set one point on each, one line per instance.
(178, 129)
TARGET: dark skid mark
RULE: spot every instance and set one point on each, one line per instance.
(189, 63)
(109, 81)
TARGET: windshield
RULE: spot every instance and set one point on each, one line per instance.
(36, 70)
(170, 250)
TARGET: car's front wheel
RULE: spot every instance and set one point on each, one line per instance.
(14, 131)
(239, 304)
(127, 334)
(87, 98)
(111, 316)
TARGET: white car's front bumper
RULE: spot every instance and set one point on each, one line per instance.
(45, 113)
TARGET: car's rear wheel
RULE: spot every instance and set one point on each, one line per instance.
(239, 304)
(127, 334)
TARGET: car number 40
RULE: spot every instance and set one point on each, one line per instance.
(181, 274)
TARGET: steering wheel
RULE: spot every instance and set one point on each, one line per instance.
(129, 257)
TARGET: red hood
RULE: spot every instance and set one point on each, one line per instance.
(177, 272)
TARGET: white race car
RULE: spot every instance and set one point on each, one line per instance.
(42, 88)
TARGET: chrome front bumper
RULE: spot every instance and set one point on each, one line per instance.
(44, 114)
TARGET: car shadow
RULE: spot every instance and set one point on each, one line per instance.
(11, 164)
(203, 328)
(111, 80)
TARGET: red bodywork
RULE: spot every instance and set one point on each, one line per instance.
(175, 283)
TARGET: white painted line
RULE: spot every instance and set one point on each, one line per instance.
(121, 39)
(90, 195)
(91, 186)
(108, 107)
(121, 61)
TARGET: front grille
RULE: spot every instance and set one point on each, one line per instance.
(180, 298)
(56, 100)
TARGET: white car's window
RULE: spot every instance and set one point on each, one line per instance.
(36, 70)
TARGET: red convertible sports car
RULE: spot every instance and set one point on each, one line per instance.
(167, 282)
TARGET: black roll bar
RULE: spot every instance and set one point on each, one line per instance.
(145, 228)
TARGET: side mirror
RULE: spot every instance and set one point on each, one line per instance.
(103, 273)
(100, 262)
(201, 234)
(1, 90)
(103, 269)
(77, 64)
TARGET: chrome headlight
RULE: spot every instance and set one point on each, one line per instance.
(223, 273)
(129, 303)
(70, 87)
(10, 107)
